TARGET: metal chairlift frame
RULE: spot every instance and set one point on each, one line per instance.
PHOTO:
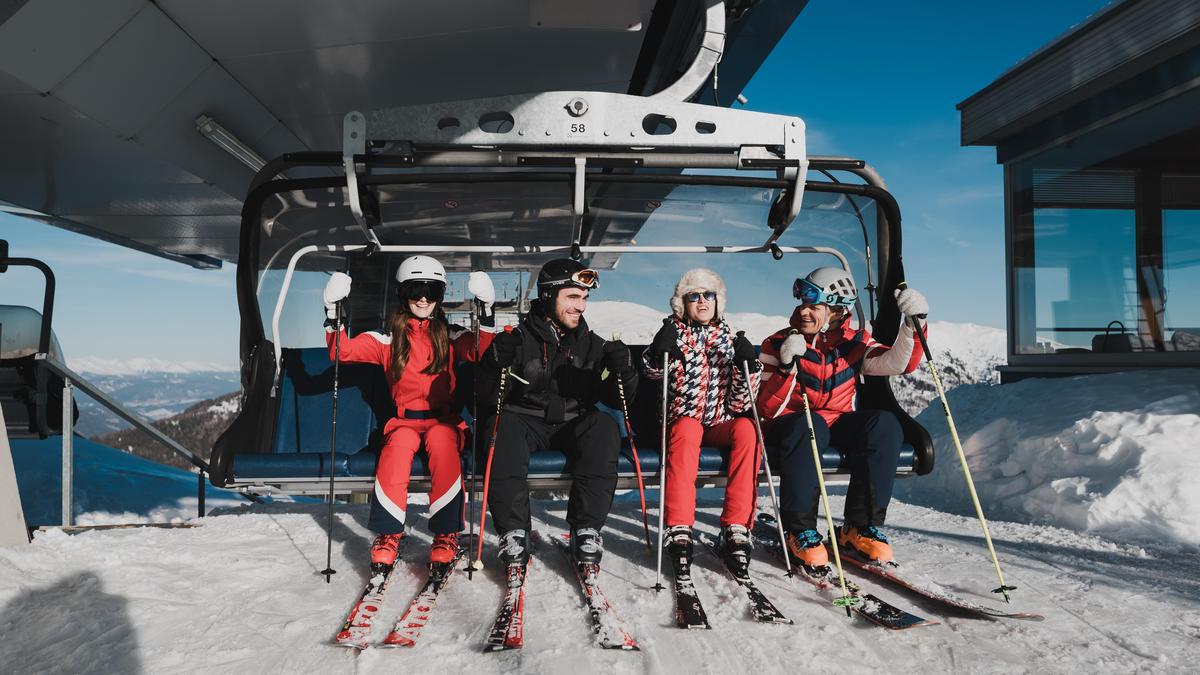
(550, 136)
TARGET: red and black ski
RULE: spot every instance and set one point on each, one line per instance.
(356, 631)
(606, 626)
(928, 590)
(508, 630)
(408, 627)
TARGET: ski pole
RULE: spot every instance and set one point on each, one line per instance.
(662, 474)
(762, 444)
(637, 464)
(474, 437)
(962, 457)
(487, 472)
(337, 360)
(846, 600)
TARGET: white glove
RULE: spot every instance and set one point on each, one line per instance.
(793, 348)
(911, 303)
(336, 290)
(479, 284)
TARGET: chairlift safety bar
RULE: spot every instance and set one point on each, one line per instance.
(447, 248)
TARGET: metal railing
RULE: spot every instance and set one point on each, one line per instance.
(71, 381)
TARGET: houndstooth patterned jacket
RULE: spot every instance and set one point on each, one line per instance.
(705, 385)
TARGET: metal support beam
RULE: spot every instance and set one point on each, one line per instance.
(354, 142)
(712, 46)
(68, 455)
(13, 529)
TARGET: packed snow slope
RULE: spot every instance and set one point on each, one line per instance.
(242, 593)
(1111, 454)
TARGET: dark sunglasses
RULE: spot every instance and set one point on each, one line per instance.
(695, 296)
(433, 291)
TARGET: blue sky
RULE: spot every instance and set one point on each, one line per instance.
(875, 80)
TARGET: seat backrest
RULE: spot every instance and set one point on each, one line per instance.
(364, 404)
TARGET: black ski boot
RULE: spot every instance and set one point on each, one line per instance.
(514, 547)
(679, 546)
(587, 547)
(735, 546)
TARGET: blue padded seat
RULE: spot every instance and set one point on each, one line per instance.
(301, 448)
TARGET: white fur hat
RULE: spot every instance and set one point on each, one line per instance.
(696, 279)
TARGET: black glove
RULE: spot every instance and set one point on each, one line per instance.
(504, 348)
(666, 341)
(743, 353)
(617, 358)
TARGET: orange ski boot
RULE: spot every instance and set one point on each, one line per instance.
(807, 548)
(385, 549)
(867, 541)
(444, 548)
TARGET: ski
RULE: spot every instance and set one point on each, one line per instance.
(825, 581)
(689, 613)
(763, 610)
(356, 630)
(929, 590)
(607, 628)
(408, 627)
(508, 630)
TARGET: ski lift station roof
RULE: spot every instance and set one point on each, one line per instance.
(143, 123)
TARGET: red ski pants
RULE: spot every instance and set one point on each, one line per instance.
(441, 441)
(685, 437)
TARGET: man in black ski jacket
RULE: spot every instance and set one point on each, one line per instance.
(559, 370)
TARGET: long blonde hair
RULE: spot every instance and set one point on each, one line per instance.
(439, 337)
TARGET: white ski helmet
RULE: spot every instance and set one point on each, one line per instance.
(832, 286)
(421, 268)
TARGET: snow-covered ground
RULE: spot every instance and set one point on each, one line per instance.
(1110, 454)
(242, 593)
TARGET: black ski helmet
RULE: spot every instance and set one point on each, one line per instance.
(561, 273)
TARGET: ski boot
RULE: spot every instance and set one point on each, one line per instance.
(444, 549)
(514, 548)
(384, 551)
(807, 549)
(679, 546)
(867, 541)
(735, 546)
(587, 548)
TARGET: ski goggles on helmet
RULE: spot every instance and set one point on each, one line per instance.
(584, 278)
(695, 296)
(433, 291)
(809, 293)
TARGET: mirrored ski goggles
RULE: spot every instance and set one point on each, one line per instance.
(695, 296)
(433, 291)
(809, 293)
(585, 278)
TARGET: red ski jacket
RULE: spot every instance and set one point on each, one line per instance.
(415, 390)
(829, 369)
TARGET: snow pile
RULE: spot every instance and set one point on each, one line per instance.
(95, 365)
(1112, 454)
(228, 407)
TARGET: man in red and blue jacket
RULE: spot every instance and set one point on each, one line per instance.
(822, 355)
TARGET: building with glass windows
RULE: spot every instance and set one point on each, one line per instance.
(1099, 135)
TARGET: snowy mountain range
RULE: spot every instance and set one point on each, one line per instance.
(152, 394)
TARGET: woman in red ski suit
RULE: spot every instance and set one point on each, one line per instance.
(418, 357)
(709, 400)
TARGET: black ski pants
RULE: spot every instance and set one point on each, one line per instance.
(870, 440)
(591, 443)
